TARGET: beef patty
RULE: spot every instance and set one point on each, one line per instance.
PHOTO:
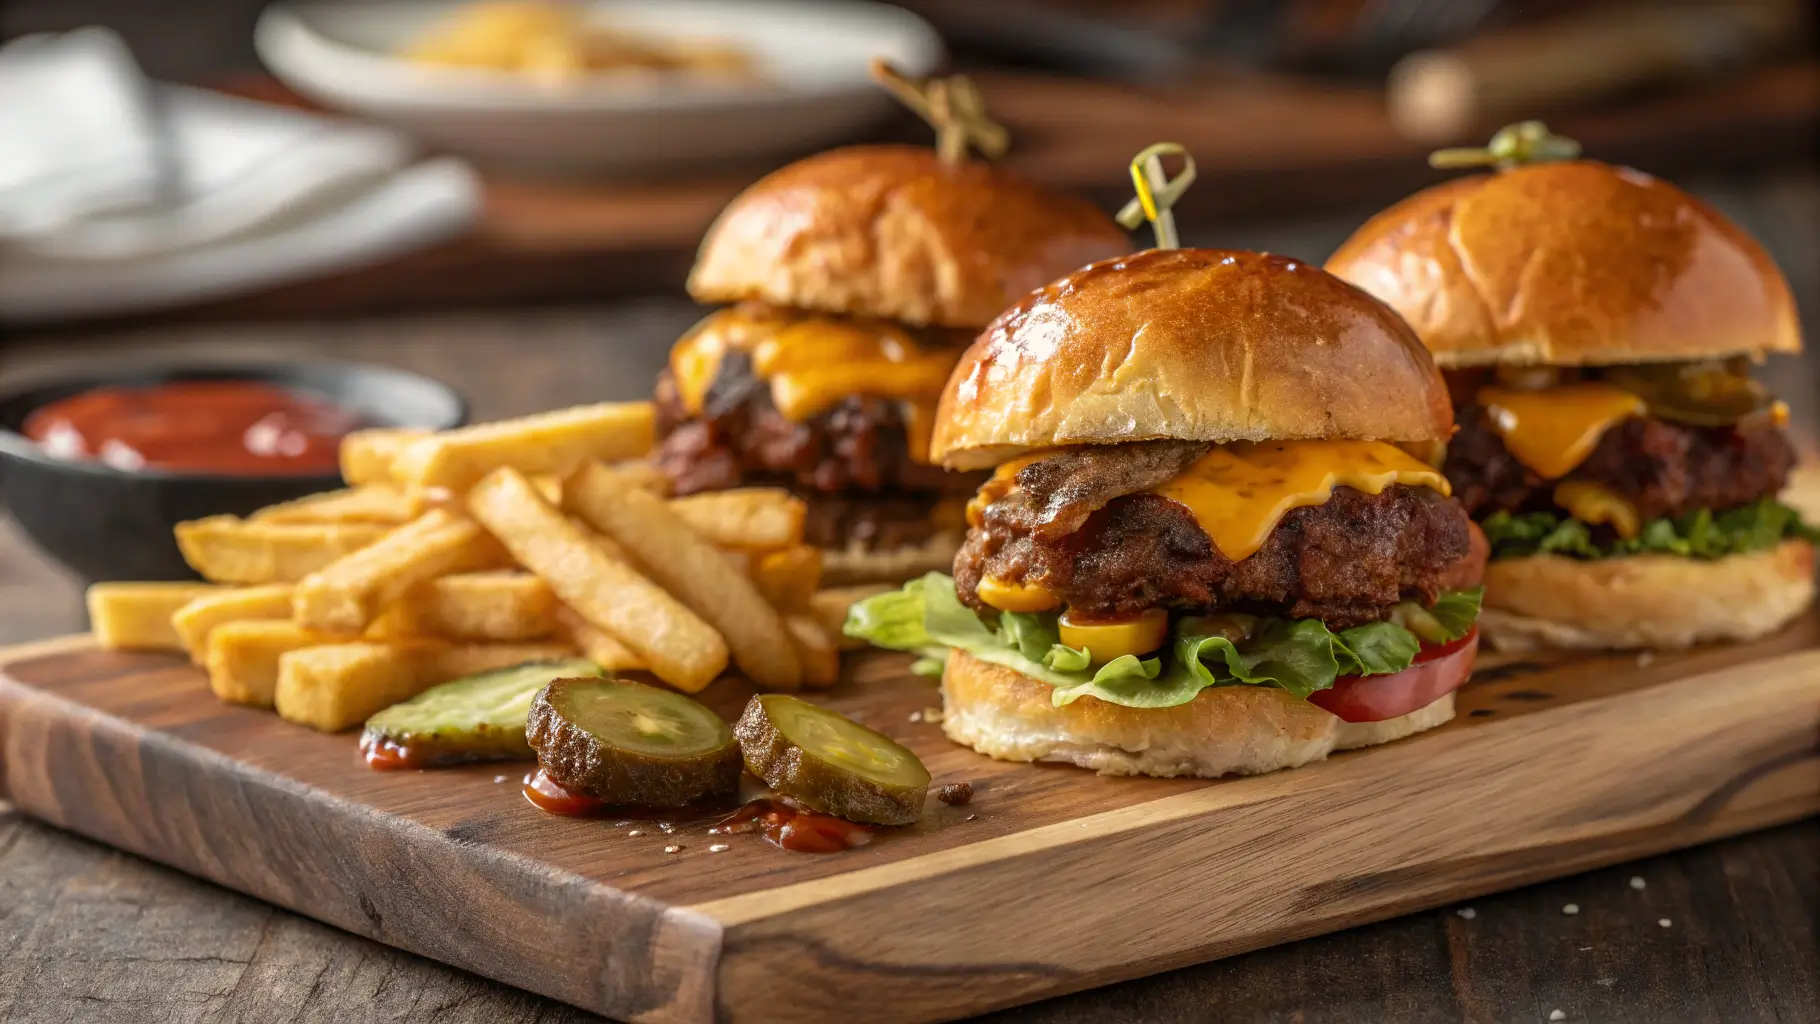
(1346, 562)
(851, 464)
(1661, 467)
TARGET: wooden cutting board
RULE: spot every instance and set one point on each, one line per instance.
(1051, 880)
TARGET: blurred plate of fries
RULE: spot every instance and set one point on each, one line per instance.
(588, 87)
(461, 551)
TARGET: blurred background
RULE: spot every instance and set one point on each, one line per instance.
(507, 197)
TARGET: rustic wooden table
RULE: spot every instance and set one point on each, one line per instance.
(1728, 932)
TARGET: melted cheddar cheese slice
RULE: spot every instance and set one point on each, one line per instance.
(1238, 492)
(1553, 430)
(812, 363)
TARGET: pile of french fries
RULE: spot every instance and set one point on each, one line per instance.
(466, 550)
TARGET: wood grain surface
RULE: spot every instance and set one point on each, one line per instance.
(90, 933)
(1553, 766)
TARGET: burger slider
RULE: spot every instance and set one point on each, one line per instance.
(1598, 327)
(1207, 547)
(852, 280)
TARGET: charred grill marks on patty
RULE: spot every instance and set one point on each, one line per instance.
(1056, 495)
(1347, 562)
(1661, 467)
(852, 463)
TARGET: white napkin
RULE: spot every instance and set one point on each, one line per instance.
(119, 195)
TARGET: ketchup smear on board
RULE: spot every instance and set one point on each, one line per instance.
(783, 821)
(212, 426)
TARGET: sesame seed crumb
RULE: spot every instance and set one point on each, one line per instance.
(1666, 923)
(672, 849)
(1606, 982)
(636, 832)
(1556, 1015)
(932, 714)
(1571, 909)
(497, 779)
(916, 716)
(719, 847)
(1637, 882)
(1467, 912)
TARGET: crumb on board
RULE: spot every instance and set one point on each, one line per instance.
(955, 794)
(719, 848)
(1571, 909)
(672, 849)
(1467, 913)
(1637, 883)
(1665, 922)
(1556, 1015)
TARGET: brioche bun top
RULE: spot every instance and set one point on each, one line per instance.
(892, 232)
(1200, 344)
(1572, 264)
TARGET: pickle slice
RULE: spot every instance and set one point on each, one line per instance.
(830, 763)
(476, 718)
(632, 745)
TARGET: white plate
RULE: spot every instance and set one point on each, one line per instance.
(813, 57)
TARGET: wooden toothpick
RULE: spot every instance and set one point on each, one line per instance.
(1526, 142)
(1157, 192)
(953, 106)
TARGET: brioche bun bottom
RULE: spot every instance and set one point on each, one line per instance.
(1654, 601)
(857, 563)
(1226, 730)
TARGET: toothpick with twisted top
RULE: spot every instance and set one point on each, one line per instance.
(1526, 142)
(1157, 192)
(952, 106)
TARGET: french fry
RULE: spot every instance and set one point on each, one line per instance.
(497, 606)
(748, 519)
(689, 567)
(789, 578)
(137, 616)
(551, 442)
(197, 619)
(829, 608)
(366, 455)
(550, 486)
(229, 550)
(644, 475)
(468, 659)
(671, 640)
(816, 650)
(381, 504)
(596, 644)
(346, 595)
(335, 687)
(242, 657)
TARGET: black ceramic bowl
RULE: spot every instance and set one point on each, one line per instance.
(113, 524)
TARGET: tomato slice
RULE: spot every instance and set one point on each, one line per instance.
(1436, 672)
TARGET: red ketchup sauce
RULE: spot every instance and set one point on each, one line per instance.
(781, 820)
(384, 755)
(223, 426)
(550, 796)
(795, 827)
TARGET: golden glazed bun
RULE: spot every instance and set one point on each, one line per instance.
(1200, 344)
(1659, 601)
(1226, 730)
(1573, 264)
(892, 232)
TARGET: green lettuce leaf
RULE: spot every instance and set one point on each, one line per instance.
(1299, 657)
(1699, 534)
